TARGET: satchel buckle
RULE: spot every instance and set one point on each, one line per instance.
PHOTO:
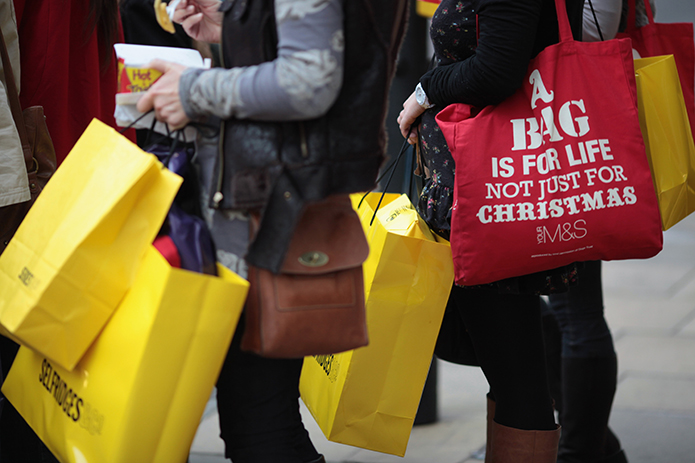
(313, 259)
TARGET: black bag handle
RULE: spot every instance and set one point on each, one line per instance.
(598, 26)
(392, 169)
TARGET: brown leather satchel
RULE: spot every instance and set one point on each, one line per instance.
(37, 146)
(315, 305)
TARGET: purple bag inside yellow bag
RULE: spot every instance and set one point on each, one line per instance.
(184, 223)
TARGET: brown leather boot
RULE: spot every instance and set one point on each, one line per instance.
(511, 445)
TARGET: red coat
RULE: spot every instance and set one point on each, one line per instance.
(61, 68)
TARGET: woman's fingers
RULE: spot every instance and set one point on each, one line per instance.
(191, 20)
(411, 111)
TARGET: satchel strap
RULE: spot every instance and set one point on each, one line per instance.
(13, 97)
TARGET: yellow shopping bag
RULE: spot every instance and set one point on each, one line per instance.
(77, 251)
(368, 397)
(140, 390)
(426, 8)
(667, 135)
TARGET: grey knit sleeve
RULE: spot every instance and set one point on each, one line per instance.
(301, 83)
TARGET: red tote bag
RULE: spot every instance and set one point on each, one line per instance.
(656, 39)
(557, 173)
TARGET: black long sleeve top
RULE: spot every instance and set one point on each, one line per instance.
(510, 33)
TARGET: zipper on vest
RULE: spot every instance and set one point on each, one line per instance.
(218, 196)
(304, 146)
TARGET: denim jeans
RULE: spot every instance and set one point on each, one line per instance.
(580, 317)
(258, 404)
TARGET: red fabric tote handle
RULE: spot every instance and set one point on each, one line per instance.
(563, 21)
(632, 14)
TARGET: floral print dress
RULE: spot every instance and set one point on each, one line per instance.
(453, 34)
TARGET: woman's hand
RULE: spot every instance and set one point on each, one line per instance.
(200, 19)
(411, 111)
(163, 95)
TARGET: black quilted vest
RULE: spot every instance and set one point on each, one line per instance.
(278, 167)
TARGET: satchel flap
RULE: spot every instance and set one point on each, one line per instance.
(328, 237)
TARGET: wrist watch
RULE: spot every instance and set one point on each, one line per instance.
(421, 97)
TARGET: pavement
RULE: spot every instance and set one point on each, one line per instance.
(650, 307)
